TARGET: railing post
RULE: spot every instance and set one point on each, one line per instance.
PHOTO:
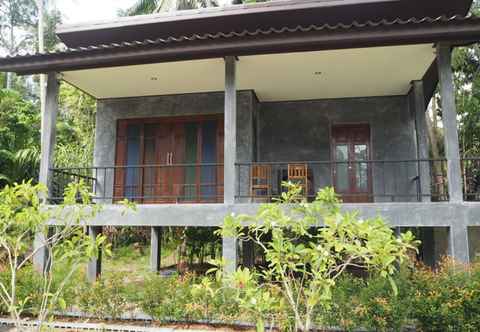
(48, 133)
(229, 245)
(452, 150)
(422, 141)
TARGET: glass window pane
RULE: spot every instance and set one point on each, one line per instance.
(361, 152)
(361, 169)
(341, 154)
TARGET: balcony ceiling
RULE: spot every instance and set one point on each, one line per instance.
(379, 71)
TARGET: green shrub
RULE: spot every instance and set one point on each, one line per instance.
(185, 298)
(447, 299)
(369, 303)
(167, 298)
(105, 298)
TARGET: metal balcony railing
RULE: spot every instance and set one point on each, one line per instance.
(471, 179)
(355, 181)
(145, 184)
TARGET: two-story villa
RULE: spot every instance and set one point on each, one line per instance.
(205, 112)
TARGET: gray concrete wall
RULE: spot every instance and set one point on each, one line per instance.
(111, 110)
(300, 131)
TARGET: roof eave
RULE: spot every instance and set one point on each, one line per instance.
(457, 33)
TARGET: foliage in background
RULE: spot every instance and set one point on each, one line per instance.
(305, 262)
(19, 138)
(75, 129)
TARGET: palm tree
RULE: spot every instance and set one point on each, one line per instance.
(156, 6)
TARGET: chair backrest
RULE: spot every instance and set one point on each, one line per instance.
(297, 171)
(260, 172)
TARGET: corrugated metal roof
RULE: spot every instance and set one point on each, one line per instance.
(254, 33)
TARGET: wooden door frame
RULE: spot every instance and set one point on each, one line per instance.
(333, 143)
(121, 151)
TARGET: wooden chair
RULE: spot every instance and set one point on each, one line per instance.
(260, 186)
(298, 174)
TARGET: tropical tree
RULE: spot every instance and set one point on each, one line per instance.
(17, 26)
(305, 262)
(156, 6)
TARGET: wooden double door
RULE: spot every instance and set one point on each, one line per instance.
(170, 160)
(352, 171)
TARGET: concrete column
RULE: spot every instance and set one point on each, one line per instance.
(458, 243)
(229, 252)
(155, 249)
(48, 130)
(229, 245)
(41, 257)
(48, 125)
(452, 151)
(422, 141)
(230, 118)
(94, 268)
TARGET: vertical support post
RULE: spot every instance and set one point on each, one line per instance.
(48, 133)
(452, 150)
(422, 141)
(156, 249)
(229, 252)
(458, 243)
(230, 118)
(229, 245)
(48, 130)
(94, 268)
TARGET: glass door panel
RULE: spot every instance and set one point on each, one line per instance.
(149, 159)
(208, 174)
(341, 175)
(361, 169)
(132, 174)
(191, 149)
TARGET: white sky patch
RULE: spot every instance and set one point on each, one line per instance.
(76, 11)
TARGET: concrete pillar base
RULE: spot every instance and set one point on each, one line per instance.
(94, 268)
(458, 243)
(155, 249)
(229, 252)
(40, 258)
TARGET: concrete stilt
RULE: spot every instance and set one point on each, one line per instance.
(155, 249)
(458, 243)
(94, 268)
(229, 252)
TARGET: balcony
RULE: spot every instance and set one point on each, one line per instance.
(371, 181)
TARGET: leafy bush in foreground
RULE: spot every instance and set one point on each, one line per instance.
(447, 299)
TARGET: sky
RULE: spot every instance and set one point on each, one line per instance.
(75, 11)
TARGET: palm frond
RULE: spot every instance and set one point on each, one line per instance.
(143, 7)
